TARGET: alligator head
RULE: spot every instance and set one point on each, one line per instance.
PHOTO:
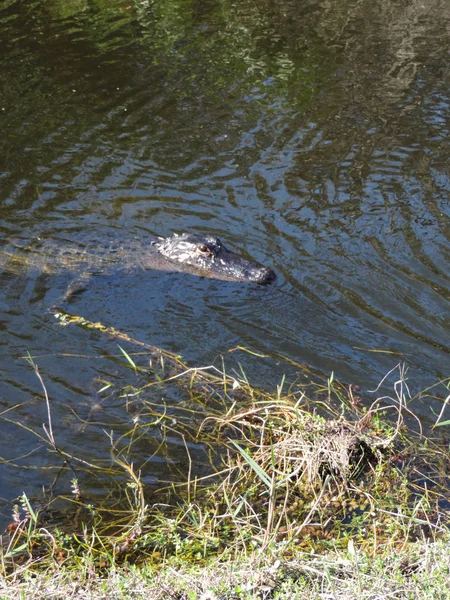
(208, 255)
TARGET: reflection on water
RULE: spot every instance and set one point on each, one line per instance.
(314, 135)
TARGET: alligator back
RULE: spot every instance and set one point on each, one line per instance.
(87, 251)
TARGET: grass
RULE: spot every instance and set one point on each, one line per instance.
(420, 572)
(308, 493)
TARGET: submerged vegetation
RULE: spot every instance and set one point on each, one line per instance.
(306, 492)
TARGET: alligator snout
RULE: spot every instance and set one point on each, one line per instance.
(260, 274)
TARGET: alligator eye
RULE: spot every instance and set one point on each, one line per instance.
(204, 249)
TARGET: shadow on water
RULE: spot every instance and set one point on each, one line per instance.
(313, 136)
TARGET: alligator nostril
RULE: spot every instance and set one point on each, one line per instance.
(260, 275)
(268, 276)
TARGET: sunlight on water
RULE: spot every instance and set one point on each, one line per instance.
(311, 136)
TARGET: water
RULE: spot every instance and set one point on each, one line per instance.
(311, 135)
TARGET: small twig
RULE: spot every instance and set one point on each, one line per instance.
(446, 401)
(49, 431)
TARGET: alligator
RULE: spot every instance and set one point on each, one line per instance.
(89, 252)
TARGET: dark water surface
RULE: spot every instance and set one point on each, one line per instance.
(313, 135)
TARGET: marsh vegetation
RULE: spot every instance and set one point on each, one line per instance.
(292, 491)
